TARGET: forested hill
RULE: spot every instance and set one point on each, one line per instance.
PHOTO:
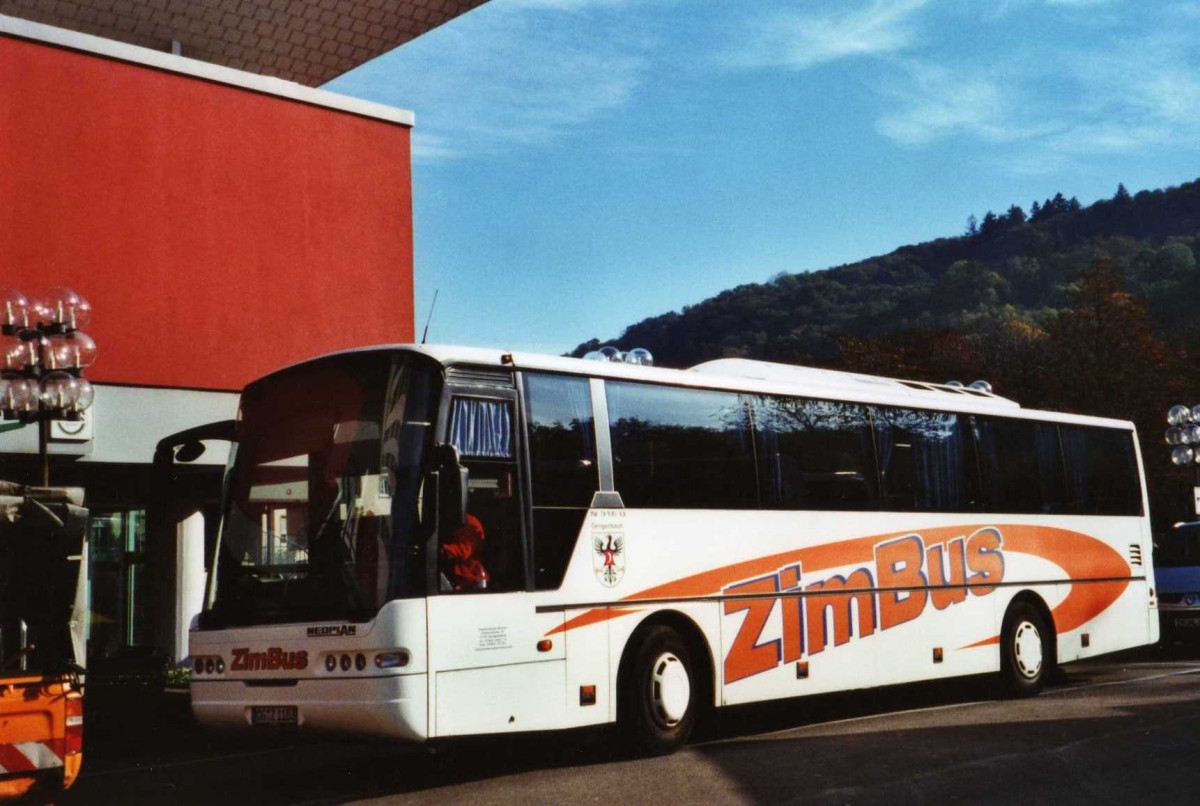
(1017, 266)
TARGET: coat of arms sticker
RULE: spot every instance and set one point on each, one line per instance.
(608, 546)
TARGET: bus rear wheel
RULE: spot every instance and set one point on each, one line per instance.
(658, 694)
(1026, 650)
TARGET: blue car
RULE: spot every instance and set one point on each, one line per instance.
(1177, 571)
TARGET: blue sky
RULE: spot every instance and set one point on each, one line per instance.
(579, 165)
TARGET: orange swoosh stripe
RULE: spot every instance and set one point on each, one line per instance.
(1080, 557)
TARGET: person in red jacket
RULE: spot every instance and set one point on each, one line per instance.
(461, 557)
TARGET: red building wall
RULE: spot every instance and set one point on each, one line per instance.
(219, 233)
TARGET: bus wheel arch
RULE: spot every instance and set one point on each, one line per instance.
(665, 682)
(1028, 645)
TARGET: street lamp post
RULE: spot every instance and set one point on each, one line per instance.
(44, 354)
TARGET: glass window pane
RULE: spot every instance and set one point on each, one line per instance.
(923, 460)
(562, 459)
(815, 454)
(481, 428)
(1021, 466)
(487, 554)
(1102, 474)
(562, 451)
(677, 447)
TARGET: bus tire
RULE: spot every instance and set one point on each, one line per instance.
(659, 696)
(1026, 650)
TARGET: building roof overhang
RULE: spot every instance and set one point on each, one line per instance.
(309, 42)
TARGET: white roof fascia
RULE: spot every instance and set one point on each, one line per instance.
(193, 68)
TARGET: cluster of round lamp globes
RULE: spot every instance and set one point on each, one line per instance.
(639, 356)
(45, 353)
(1184, 434)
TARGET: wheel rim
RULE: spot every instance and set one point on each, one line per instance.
(1027, 650)
(670, 689)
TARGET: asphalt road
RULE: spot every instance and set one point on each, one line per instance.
(1116, 729)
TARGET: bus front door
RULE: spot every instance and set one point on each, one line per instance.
(493, 667)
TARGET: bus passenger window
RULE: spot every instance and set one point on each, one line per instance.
(925, 462)
(814, 454)
(1102, 477)
(681, 448)
(1021, 466)
(562, 459)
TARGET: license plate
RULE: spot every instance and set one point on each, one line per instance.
(274, 715)
(1187, 621)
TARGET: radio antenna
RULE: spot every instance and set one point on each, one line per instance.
(428, 319)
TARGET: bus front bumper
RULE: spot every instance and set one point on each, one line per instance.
(393, 706)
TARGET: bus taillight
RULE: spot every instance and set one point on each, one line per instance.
(74, 725)
(392, 660)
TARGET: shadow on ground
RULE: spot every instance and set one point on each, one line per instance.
(150, 750)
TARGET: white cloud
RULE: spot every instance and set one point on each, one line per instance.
(1173, 96)
(1140, 93)
(936, 102)
(517, 74)
(427, 147)
(564, 5)
(1049, 111)
(800, 40)
(522, 73)
(1002, 7)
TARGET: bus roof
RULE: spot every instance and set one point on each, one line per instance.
(745, 375)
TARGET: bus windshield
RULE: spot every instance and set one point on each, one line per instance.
(321, 514)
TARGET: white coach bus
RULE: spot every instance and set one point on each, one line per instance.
(423, 542)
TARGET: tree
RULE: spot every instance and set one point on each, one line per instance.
(966, 286)
(1015, 215)
(972, 226)
(990, 224)
(1106, 357)
(1122, 196)
(1174, 261)
(935, 356)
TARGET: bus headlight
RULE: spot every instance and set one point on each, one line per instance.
(208, 664)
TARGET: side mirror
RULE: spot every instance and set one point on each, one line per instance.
(186, 446)
(189, 451)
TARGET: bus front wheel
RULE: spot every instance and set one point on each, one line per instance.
(1027, 650)
(658, 698)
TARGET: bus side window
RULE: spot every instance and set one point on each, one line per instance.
(562, 459)
(1021, 466)
(926, 460)
(485, 554)
(815, 454)
(1101, 471)
(679, 448)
